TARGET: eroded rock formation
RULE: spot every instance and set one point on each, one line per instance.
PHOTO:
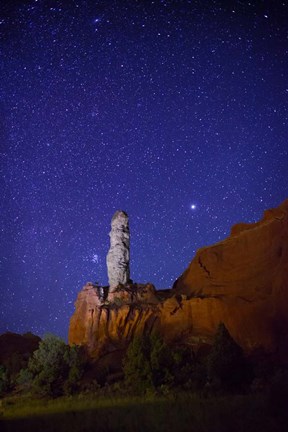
(241, 281)
(103, 325)
(119, 253)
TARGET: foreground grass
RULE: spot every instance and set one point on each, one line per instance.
(181, 412)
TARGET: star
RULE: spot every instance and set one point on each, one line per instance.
(95, 258)
(150, 125)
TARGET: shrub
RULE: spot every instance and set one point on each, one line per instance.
(55, 368)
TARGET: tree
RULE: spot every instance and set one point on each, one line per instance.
(48, 366)
(161, 361)
(148, 363)
(25, 379)
(226, 363)
(55, 367)
(137, 370)
(188, 371)
(74, 357)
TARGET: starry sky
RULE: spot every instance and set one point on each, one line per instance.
(174, 111)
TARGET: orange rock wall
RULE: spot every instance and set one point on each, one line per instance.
(241, 281)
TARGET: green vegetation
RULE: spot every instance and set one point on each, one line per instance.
(54, 368)
(150, 363)
(137, 370)
(163, 389)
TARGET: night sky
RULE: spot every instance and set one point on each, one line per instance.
(174, 111)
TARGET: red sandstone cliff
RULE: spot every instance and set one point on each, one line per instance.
(241, 281)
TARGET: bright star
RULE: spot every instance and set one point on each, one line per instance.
(95, 258)
(193, 206)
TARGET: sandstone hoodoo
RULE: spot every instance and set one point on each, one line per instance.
(241, 281)
(119, 253)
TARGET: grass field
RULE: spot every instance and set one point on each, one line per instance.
(182, 412)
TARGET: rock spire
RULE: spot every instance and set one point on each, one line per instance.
(241, 281)
(118, 257)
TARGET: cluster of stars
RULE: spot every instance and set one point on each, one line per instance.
(175, 112)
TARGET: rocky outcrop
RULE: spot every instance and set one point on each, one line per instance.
(119, 253)
(106, 324)
(241, 281)
(16, 349)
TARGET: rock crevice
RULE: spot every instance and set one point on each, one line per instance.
(203, 267)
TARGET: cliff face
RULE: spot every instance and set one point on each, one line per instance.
(244, 280)
(241, 281)
(106, 323)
